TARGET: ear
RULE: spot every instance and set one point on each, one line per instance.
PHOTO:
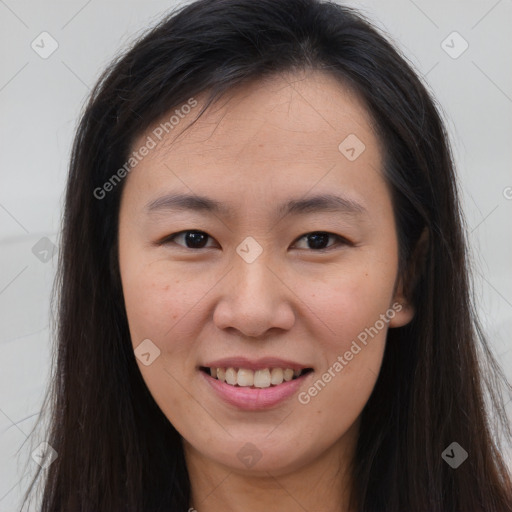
(403, 298)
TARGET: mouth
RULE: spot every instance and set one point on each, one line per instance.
(254, 379)
(260, 388)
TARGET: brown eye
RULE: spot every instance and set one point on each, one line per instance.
(318, 240)
(193, 239)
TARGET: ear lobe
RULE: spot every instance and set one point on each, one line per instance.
(406, 285)
(404, 309)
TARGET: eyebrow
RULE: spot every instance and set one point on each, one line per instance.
(318, 203)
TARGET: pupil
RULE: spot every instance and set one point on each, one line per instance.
(195, 238)
(318, 240)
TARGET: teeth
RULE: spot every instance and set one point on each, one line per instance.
(245, 377)
(262, 378)
(288, 374)
(276, 376)
(231, 376)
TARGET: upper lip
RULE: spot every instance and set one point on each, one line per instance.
(255, 364)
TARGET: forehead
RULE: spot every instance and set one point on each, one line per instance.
(293, 107)
(282, 135)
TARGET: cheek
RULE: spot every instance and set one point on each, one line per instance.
(159, 301)
(352, 301)
(352, 353)
(356, 340)
(160, 304)
(356, 311)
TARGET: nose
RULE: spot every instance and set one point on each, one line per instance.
(254, 299)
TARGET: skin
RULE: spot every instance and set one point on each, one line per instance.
(263, 144)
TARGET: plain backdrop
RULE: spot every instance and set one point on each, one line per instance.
(41, 99)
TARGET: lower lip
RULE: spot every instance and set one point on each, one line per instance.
(254, 399)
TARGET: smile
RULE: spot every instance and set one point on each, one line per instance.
(248, 378)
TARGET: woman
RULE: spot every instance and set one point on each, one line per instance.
(264, 293)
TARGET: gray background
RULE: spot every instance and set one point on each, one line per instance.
(40, 104)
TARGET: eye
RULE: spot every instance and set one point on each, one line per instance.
(318, 239)
(194, 239)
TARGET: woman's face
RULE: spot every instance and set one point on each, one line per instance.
(294, 269)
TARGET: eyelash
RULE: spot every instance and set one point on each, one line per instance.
(341, 240)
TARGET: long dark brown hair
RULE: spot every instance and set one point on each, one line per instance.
(439, 381)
